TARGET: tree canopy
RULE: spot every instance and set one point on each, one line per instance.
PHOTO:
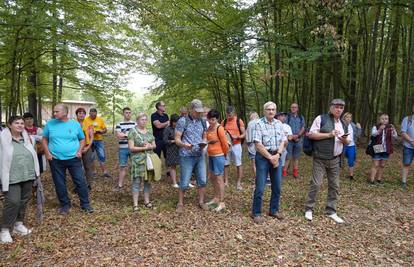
(226, 52)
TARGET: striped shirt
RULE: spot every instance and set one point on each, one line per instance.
(271, 135)
(124, 127)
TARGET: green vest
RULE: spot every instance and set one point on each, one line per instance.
(324, 149)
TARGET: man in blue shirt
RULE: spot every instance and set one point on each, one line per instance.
(407, 133)
(294, 148)
(190, 134)
(63, 141)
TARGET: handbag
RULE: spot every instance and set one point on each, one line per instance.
(149, 164)
(370, 148)
(379, 148)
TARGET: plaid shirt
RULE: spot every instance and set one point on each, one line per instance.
(271, 135)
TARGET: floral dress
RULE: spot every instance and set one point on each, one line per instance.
(138, 159)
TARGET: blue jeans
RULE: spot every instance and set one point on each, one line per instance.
(58, 169)
(408, 155)
(264, 167)
(191, 164)
(123, 155)
(99, 147)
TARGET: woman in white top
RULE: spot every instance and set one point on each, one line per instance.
(254, 117)
(381, 136)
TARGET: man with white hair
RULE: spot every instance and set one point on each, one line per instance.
(270, 141)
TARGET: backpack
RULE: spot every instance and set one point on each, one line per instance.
(308, 143)
(228, 135)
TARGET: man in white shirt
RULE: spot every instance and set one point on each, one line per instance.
(329, 134)
(122, 129)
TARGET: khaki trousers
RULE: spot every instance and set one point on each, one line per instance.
(319, 169)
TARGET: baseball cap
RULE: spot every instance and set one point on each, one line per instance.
(197, 105)
(281, 113)
(93, 110)
(337, 101)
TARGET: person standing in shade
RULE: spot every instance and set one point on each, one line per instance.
(254, 118)
(350, 149)
(381, 134)
(281, 116)
(19, 168)
(122, 129)
(173, 156)
(294, 149)
(159, 121)
(234, 126)
(141, 143)
(63, 142)
(87, 151)
(217, 151)
(98, 144)
(36, 134)
(183, 112)
(270, 143)
(190, 137)
(407, 134)
(329, 134)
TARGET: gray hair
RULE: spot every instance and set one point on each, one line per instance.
(64, 107)
(268, 104)
(141, 115)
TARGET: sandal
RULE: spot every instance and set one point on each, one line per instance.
(148, 205)
(135, 208)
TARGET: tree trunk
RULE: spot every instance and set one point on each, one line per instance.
(392, 69)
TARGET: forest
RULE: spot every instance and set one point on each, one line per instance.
(225, 52)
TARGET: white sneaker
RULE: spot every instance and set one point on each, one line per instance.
(5, 236)
(175, 186)
(308, 215)
(190, 185)
(336, 218)
(20, 229)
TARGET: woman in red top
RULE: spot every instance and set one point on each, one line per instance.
(217, 151)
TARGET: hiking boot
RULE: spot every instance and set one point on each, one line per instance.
(64, 210)
(88, 210)
(107, 175)
(403, 185)
(277, 215)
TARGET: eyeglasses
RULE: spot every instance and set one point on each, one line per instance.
(270, 109)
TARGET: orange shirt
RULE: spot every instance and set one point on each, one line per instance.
(219, 148)
(231, 127)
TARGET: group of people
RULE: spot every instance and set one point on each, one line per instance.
(200, 143)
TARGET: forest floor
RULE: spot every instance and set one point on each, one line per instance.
(379, 228)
